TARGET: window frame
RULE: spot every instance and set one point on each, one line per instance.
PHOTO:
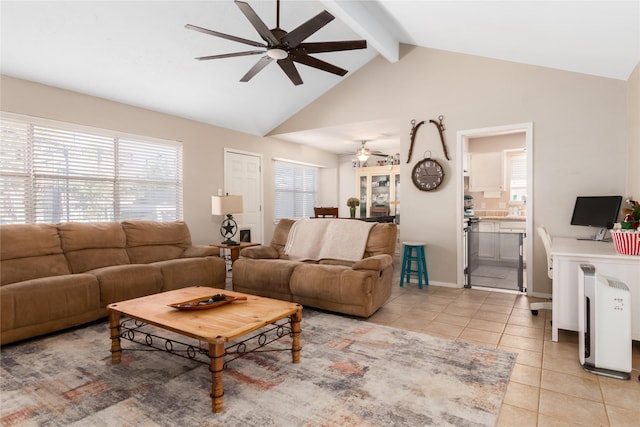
(517, 193)
(299, 192)
(96, 160)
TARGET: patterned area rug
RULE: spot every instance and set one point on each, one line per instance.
(352, 373)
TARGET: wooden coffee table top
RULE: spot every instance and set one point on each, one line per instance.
(223, 323)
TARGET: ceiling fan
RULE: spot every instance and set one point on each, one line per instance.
(284, 47)
(363, 153)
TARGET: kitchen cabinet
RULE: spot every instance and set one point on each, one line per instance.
(378, 187)
(512, 226)
(509, 242)
(500, 243)
(486, 172)
(487, 244)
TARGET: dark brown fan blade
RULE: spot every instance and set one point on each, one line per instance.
(225, 36)
(296, 36)
(332, 46)
(263, 62)
(318, 63)
(290, 70)
(257, 23)
(230, 55)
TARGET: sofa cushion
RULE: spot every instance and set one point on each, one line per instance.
(49, 299)
(123, 282)
(334, 262)
(333, 287)
(21, 269)
(26, 240)
(184, 272)
(150, 241)
(200, 251)
(280, 236)
(94, 245)
(376, 262)
(30, 251)
(260, 252)
(382, 240)
(264, 277)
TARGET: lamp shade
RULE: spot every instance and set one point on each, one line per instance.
(225, 205)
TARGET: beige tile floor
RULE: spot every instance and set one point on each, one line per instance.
(547, 387)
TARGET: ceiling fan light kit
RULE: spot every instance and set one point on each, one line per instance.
(284, 47)
(363, 153)
(277, 53)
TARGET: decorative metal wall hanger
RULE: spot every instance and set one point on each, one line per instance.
(414, 131)
(440, 127)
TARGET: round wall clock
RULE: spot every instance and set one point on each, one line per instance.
(427, 174)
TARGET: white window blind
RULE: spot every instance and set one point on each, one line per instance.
(518, 176)
(295, 187)
(54, 172)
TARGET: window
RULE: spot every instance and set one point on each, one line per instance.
(295, 186)
(518, 176)
(55, 172)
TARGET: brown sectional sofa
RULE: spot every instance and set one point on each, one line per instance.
(356, 288)
(57, 276)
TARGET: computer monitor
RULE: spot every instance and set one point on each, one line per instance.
(596, 211)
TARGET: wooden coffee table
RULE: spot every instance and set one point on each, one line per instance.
(215, 326)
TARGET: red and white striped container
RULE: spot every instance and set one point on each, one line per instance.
(627, 241)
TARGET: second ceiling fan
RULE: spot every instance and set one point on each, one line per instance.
(285, 47)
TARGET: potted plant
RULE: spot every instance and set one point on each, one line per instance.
(632, 217)
(353, 202)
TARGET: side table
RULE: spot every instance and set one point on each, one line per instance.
(235, 250)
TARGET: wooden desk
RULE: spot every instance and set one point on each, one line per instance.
(235, 250)
(568, 254)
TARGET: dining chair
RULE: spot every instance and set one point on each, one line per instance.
(325, 212)
(379, 210)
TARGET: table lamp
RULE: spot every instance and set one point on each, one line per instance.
(227, 205)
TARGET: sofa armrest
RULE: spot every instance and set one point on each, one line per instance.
(376, 262)
(260, 252)
(200, 251)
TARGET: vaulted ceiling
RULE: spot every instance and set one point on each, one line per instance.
(140, 53)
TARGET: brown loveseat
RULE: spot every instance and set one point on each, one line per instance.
(57, 276)
(358, 288)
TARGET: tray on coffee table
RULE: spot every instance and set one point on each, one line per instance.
(204, 303)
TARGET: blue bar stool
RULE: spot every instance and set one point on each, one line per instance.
(414, 252)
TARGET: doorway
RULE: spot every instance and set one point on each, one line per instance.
(506, 211)
(243, 175)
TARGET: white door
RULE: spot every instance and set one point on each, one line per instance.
(243, 176)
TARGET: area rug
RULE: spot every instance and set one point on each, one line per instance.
(352, 373)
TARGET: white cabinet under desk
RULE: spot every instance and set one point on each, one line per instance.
(568, 254)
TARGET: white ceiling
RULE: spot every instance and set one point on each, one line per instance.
(139, 53)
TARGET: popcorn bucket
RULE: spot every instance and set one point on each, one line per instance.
(627, 241)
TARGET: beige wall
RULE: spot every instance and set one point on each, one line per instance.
(580, 135)
(203, 145)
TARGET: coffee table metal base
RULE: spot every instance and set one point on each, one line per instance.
(138, 332)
